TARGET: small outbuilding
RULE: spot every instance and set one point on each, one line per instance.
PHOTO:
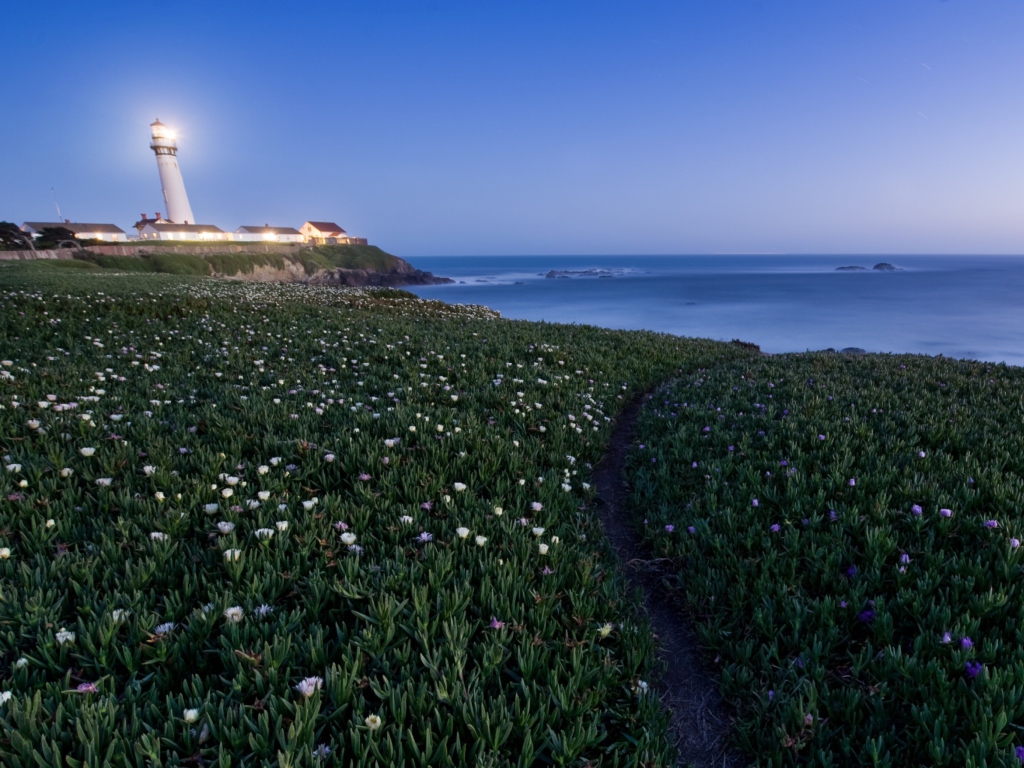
(324, 233)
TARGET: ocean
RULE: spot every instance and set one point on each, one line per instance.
(957, 306)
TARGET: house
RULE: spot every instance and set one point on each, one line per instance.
(108, 232)
(151, 229)
(323, 233)
(269, 234)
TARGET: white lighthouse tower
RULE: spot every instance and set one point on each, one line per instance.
(178, 209)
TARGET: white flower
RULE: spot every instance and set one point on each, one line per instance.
(119, 614)
(282, 507)
(159, 496)
(536, 506)
(232, 555)
(522, 482)
(227, 493)
(5, 696)
(542, 548)
(566, 487)
(33, 424)
(499, 511)
(149, 469)
(63, 637)
(264, 533)
(5, 553)
(412, 429)
(309, 686)
(555, 540)
(263, 469)
(22, 662)
(275, 461)
(440, 428)
(14, 467)
(190, 715)
(538, 531)
(308, 505)
(163, 629)
(234, 614)
(87, 451)
(231, 480)
(67, 472)
(252, 504)
(407, 519)
(348, 538)
(372, 722)
(225, 527)
(605, 630)
(328, 457)
(104, 481)
(391, 443)
(264, 495)
(460, 487)
(211, 508)
(50, 523)
(158, 536)
(480, 540)
(462, 532)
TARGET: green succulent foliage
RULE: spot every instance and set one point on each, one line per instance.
(186, 462)
(801, 499)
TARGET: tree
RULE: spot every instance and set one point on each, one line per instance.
(57, 237)
(13, 239)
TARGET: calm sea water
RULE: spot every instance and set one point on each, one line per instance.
(958, 306)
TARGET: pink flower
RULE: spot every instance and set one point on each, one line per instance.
(87, 688)
(495, 624)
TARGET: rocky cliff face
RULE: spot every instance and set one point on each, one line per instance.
(360, 277)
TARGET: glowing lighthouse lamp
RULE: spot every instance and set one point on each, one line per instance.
(178, 209)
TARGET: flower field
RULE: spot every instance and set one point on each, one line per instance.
(846, 533)
(248, 525)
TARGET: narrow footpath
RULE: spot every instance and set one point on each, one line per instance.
(699, 727)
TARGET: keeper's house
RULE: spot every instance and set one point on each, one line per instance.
(268, 234)
(167, 230)
(328, 233)
(110, 233)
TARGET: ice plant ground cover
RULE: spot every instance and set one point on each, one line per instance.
(248, 524)
(846, 532)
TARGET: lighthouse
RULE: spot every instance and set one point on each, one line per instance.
(178, 209)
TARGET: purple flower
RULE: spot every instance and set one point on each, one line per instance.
(694, 465)
(916, 509)
(755, 503)
(670, 528)
(771, 697)
(427, 505)
(291, 467)
(691, 529)
(946, 512)
(775, 528)
(853, 481)
(364, 477)
(87, 688)
(832, 514)
(991, 523)
(1019, 752)
(904, 558)
(783, 463)
(851, 571)
(546, 571)
(821, 437)
(842, 603)
(867, 616)
(920, 454)
(425, 537)
(946, 638)
(707, 429)
(1014, 543)
(495, 624)
(322, 752)
(973, 669)
(966, 643)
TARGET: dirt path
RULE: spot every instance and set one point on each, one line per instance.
(699, 726)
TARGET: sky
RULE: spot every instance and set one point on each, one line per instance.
(550, 127)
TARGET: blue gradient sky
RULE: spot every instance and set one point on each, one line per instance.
(719, 126)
